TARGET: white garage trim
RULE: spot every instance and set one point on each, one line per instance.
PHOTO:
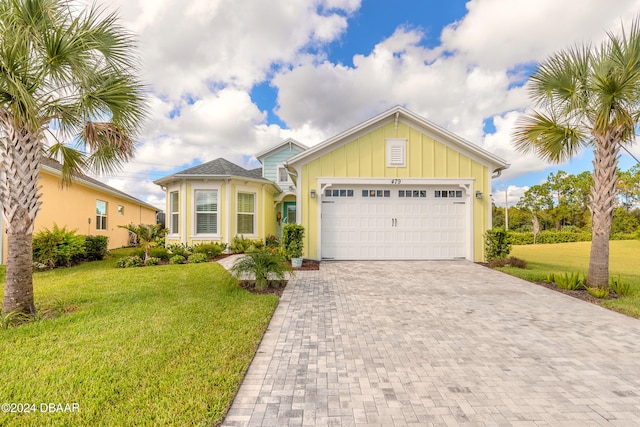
(466, 185)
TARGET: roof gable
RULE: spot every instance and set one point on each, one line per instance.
(413, 120)
(289, 142)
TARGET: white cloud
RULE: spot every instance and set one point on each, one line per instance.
(502, 33)
(510, 194)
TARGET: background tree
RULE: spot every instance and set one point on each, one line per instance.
(629, 186)
(74, 73)
(536, 200)
(588, 97)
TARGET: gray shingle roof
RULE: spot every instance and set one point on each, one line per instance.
(219, 167)
(53, 164)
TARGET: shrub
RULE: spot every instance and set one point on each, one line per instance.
(622, 288)
(271, 241)
(267, 268)
(177, 259)
(161, 253)
(197, 258)
(58, 247)
(211, 250)
(598, 292)
(508, 262)
(95, 247)
(292, 235)
(130, 261)
(496, 244)
(152, 261)
(180, 249)
(571, 282)
(549, 236)
(240, 245)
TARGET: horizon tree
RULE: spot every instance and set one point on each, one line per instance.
(588, 97)
(69, 90)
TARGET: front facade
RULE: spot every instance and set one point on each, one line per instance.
(87, 206)
(393, 187)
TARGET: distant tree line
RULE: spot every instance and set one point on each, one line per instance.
(562, 204)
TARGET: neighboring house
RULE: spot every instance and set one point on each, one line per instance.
(394, 187)
(87, 206)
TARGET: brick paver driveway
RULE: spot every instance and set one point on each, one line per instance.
(438, 343)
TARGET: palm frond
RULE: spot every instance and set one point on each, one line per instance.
(550, 139)
(72, 160)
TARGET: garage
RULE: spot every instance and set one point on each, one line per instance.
(394, 222)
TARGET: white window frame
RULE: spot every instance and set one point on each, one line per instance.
(396, 147)
(104, 217)
(254, 192)
(288, 180)
(194, 231)
(172, 232)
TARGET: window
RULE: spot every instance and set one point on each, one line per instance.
(283, 175)
(206, 211)
(448, 194)
(101, 215)
(338, 193)
(120, 210)
(246, 213)
(396, 153)
(174, 211)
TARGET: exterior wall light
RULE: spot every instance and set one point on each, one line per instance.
(313, 194)
(478, 194)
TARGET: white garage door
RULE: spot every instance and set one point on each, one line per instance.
(394, 222)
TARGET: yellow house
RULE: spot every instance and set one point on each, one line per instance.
(394, 187)
(216, 201)
(87, 206)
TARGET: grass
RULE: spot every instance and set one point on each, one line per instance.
(165, 345)
(561, 258)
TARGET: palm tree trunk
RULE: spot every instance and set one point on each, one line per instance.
(20, 164)
(603, 194)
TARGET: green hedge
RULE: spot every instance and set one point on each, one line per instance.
(550, 236)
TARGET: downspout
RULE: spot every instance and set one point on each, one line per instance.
(228, 206)
(183, 191)
(264, 207)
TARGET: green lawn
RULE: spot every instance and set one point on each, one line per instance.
(164, 345)
(574, 257)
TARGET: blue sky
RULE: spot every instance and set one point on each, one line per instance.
(233, 77)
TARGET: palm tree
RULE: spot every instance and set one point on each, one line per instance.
(147, 235)
(588, 97)
(70, 76)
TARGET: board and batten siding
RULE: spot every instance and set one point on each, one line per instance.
(271, 163)
(365, 157)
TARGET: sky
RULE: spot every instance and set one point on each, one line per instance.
(230, 78)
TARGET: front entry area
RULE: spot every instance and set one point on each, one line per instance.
(395, 222)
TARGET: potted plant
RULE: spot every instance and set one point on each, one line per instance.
(292, 235)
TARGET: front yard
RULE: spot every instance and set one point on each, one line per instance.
(543, 260)
(165, 345)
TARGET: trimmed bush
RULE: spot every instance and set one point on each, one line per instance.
(550, 236)
(240, 245)
(211, 250)
(292, 240)
(197, 258)
(177, 259)
(152, 261)
(180, 249)
(58, 247)
(496, 244)
(95, 247)
(508, 262)
(130, 261)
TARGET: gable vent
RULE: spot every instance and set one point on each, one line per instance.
(396, 152)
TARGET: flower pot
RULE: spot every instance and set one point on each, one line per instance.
(296, 262)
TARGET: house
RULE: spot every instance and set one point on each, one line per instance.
(88, 206)
(394, 187)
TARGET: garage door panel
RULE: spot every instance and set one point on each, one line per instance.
(386, 226)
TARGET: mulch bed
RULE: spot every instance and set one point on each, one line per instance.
(250, 285)
(582, 294)
(308, 265)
